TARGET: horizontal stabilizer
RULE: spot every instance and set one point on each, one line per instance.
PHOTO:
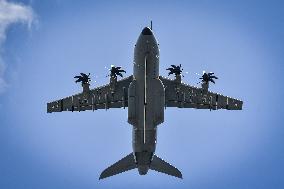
(162, 166)
(125, 164)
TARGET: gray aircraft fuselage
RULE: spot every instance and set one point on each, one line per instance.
(145, 100)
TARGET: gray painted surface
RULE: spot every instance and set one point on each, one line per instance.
(146, 94)
(146, 100)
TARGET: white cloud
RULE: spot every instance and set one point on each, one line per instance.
(11, 13)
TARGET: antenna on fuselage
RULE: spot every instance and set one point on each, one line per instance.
(151, 25)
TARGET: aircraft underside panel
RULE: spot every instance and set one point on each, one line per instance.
(150, 110)
(104, 97)
(144, 140)
(181, 95)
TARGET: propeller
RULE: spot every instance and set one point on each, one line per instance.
(115, 71)
(83, 78)
(175, 70)
(206, 77)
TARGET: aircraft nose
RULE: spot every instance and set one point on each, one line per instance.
(147, 31)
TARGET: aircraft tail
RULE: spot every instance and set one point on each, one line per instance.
(162, 166)
(128, 162)
(125, 164)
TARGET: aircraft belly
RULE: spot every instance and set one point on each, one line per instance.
(147, 112)
(146, 108)
(146, 98)
(144, 140)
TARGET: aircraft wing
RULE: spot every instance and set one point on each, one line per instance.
(185, 96)
(113, 95)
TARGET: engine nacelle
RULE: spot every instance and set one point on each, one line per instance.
(205, 86)
(86, 87)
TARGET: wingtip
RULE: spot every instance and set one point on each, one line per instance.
(102, 176)
(180, 176)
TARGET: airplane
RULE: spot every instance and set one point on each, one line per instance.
(146, 94)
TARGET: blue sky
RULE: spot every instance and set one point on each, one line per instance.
(46, 43)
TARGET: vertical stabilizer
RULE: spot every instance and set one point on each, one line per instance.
(162, 166)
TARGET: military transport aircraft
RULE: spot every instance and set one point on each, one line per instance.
(146, 94)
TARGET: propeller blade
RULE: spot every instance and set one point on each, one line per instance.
(171, 72)
(212, 80)
(214, 77)
(175, 70)
(120, 74)
(116, 71)
(122, 71)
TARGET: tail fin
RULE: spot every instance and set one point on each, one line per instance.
(162, 166)
(125, 164)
